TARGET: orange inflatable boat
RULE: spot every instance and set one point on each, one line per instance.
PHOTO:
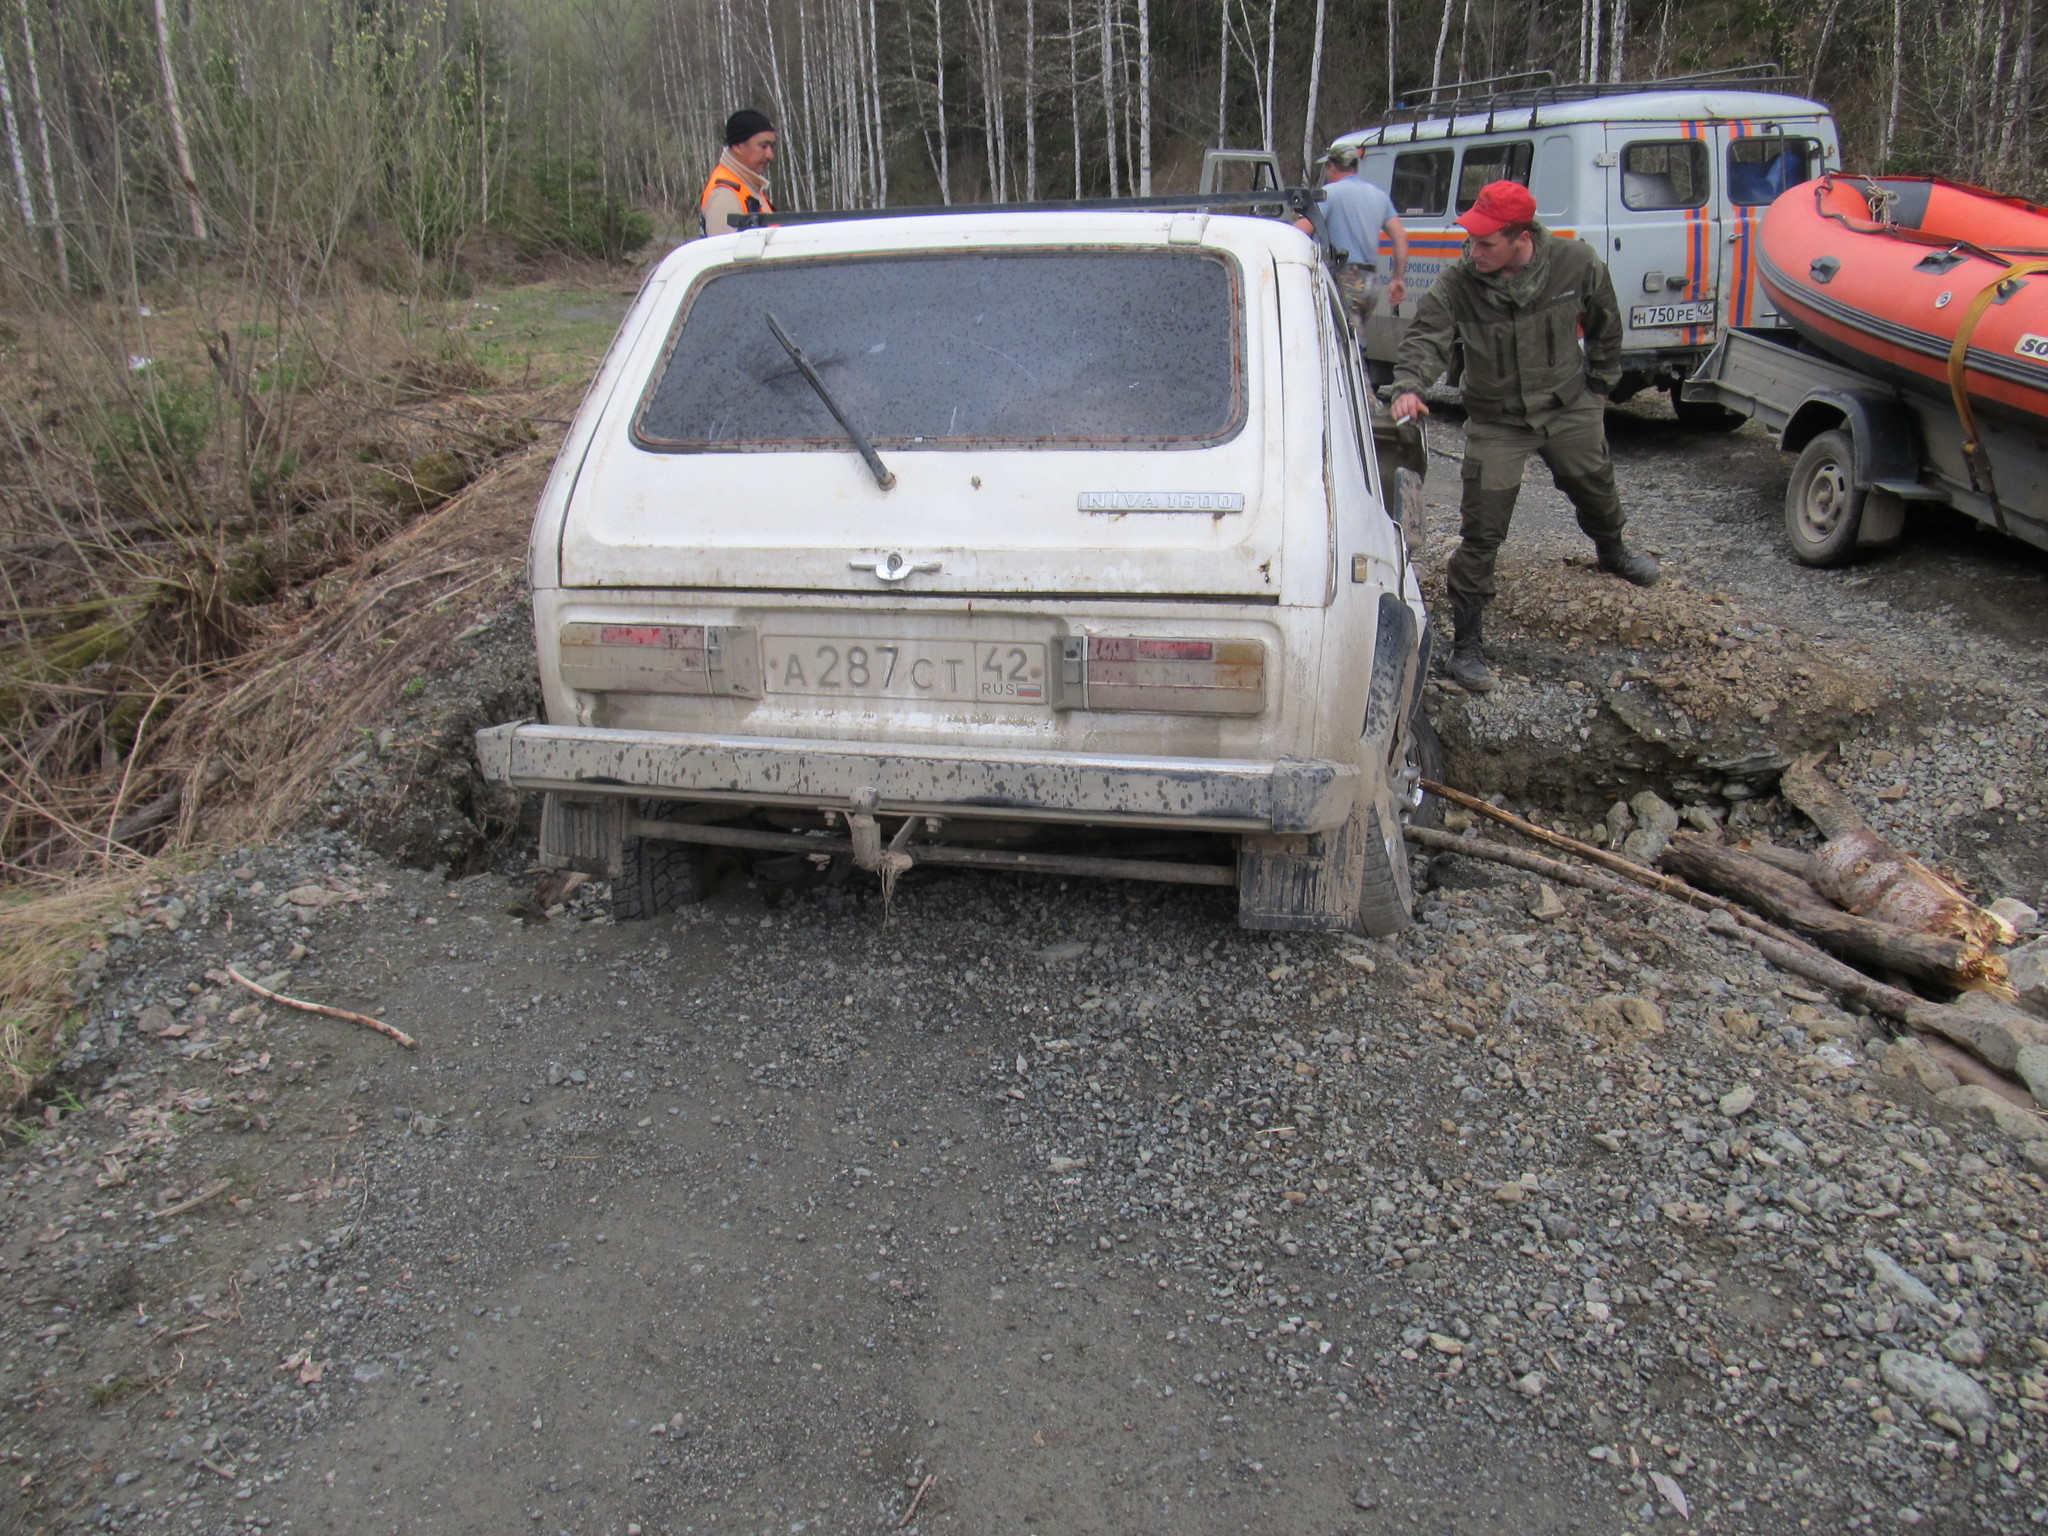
(1929, 284)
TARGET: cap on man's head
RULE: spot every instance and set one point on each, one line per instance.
(1500, 204)
(1343, 156)
(744, 124)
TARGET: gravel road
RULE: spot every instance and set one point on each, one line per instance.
(1031, 1207)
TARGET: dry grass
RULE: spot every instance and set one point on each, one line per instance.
(217, 571)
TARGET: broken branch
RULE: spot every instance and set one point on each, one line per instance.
(333, 1013)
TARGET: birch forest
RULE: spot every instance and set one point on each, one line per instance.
(155, 131)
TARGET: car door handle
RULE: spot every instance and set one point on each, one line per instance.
(894, 566)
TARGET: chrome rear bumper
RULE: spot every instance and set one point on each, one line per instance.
(1290, 795)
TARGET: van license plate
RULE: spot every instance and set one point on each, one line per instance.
(1652, 316)
(1003, 671)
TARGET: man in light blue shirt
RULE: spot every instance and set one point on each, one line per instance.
(1356, 212)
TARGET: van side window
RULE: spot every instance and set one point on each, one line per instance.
(1492, 162)
(1760, 168)
(1669, 173)
(1422, 183)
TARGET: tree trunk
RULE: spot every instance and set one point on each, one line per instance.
(1272, 51)
(15, 157)
(180, 145)
(1106, 47)
(1891, 115)
(1145, 97)
(1074, 90)
(1030, 101)
(1223, 79)
(1618, 42)
(945, 149)
(874, 79)
(1315, 89)
(2015, 147)
(1443, 37)
(39, 121)
(1393, 39)
(1820, 48)
(1789, 900)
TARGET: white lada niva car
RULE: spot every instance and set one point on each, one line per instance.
(1018, 540)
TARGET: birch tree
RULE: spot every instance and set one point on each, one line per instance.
(1315, 85)
(1145, 96)
(1030, 101)
(12, 127)
(1443, 37)
(180, 144)
(1106, 47)
(39, 122)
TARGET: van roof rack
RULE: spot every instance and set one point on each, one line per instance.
(1540, 87)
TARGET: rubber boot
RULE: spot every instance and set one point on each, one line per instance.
(1631, 565)
(1467, 666)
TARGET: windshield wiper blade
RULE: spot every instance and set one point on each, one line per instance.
(883, 477)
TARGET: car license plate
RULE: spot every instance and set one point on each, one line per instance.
(1001, 671)
(1652, 316)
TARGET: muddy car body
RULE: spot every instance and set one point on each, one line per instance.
(1115, 564)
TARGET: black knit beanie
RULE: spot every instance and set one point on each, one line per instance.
(744, 124)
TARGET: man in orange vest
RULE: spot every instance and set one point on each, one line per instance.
(739, 182)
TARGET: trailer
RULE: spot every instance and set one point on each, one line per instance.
(1869, 449)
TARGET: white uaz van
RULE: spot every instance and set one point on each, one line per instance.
(1668, 180)
(1008, 540)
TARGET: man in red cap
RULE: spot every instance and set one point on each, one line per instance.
(1516, 306)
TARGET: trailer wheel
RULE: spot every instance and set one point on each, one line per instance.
(1823, 504)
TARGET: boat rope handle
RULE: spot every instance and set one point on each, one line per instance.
(1875, 196)
(1975, 455)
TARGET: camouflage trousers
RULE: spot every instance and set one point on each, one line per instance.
(1573, 443)
(1360, 287)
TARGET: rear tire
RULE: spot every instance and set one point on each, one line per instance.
(1705, 415)
(1823, 503)
(657, 876)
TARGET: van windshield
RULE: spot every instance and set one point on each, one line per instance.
(1012, 349)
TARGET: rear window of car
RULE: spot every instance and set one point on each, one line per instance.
(957, 350)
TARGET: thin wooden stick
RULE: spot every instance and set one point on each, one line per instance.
(916, 1499)
(183, 1206)
(1691, 895)
(333, 1013)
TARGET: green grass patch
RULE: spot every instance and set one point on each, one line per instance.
(543, 334)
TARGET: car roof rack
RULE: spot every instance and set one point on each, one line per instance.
(1540, 87)
(1270, 203)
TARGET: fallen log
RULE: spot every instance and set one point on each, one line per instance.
(1788, 900)
(1862, 873)
(1993, 1031)
(1816, 795)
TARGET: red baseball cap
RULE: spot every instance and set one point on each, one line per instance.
(1500, 203)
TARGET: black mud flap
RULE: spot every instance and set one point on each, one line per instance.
(585, 835)
(1300, 883)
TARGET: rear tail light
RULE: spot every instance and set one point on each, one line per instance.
(1174, 677)
(662, 658)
